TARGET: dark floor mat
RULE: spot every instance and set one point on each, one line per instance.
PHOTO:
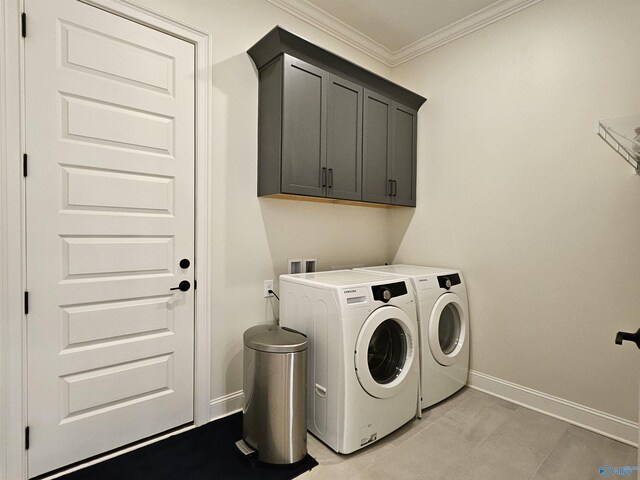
(206, 452)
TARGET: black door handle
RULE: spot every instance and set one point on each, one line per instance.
(628, 337)
(324, 177)
(183, 286)
(330, 172)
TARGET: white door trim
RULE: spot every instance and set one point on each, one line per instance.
(13, 374)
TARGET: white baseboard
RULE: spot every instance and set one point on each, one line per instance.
(620, 429)
(223, 406)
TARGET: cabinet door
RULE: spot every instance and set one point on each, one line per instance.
(303, 131)
(344, 139)
(403, 157)
(376, 148)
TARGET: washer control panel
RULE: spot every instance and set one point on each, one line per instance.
(384, 293)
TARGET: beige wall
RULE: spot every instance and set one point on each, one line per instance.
(252, 237)
(516, 190)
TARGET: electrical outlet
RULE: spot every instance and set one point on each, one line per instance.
(268, 285)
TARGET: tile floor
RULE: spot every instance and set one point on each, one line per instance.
(476, 436)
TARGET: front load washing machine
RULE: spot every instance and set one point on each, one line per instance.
(363, 362)
(443, 320)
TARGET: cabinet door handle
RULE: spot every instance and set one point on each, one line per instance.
(390, 184)
(331, 178)
(324, 177)
(395, 188)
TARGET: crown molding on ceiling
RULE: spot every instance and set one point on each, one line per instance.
(336, 28)
(333, 26)
(480, 19)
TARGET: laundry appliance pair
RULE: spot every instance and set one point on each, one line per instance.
(384, 343)
(443, 325)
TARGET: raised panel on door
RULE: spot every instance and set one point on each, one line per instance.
(376, 148)
(303, 133)
(110, 213)
(403, 148)
(344, 139)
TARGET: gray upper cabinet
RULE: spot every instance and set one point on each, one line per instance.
(310, 132)
(304, 129)
(377, 148)
(330, 129)
(389, 146)
(402, 167)
(344, 139)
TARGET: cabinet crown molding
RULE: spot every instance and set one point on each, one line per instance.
(279, 41)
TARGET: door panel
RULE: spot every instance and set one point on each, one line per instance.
(110, 138)
(304, 122)
(112, 191)
(90, 393)
(129, 63)
(111, 321)
(403, 165)
(344, 139)
(376, 148)
(94, 121)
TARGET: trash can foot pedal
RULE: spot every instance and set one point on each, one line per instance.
(248, 453)
(245, 449)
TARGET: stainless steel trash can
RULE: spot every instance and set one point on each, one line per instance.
(275, 370)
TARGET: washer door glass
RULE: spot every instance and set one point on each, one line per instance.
(385, 351)
(448, 326)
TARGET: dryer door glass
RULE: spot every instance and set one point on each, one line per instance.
(387, 352)
(449, 329)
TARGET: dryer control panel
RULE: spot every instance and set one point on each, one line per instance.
(448, 281)
(384, 293)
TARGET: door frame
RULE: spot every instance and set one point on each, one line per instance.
(13, 345)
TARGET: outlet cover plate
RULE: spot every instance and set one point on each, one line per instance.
(268, 285)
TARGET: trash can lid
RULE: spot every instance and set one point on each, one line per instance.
(275, 339)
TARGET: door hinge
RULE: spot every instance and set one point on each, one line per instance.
(23, 24)
(24, 164)
(26, 303)
(195, 284)
(26, 438)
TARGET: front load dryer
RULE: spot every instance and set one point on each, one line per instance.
(443, 319)
(363, 361)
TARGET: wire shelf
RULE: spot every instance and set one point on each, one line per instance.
(623, 135)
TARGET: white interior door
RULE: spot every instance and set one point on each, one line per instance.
(110, 214)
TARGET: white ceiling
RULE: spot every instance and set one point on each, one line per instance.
(394, 31)
(395, 24)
